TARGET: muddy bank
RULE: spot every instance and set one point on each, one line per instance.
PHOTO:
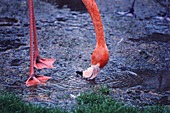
(139, 51)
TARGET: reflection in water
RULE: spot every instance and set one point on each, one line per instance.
(36, 96)
(91, 82)
(164, 78)
(74, 5)
(155, 80)
(33, 90)
(158, 37)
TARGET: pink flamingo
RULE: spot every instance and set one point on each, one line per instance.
(166, 16)
(129, 12)
(100, 55)
(35, 60)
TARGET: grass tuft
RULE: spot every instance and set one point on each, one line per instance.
(93, 102)
(10, 103)
(103, 89)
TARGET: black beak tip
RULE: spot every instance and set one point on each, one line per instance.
(79, 73)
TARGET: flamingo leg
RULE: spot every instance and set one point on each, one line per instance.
(39, 62)
(36, 52)
(31, 39)
(33, 79)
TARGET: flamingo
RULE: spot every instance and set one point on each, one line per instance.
(35, 60)
(100, 56)
(129, 12)
(166, 16)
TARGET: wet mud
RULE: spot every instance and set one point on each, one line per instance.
(138, 69)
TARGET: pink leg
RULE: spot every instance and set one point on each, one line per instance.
(31, 39)
(33, 79)
(39, 62)
(36, 52)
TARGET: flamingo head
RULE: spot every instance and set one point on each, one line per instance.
(91, 72)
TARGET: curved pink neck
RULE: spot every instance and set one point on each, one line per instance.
(96, 19)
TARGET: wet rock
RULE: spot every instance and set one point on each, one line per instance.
(136, 87)
(4, 24)
(146, 91)
(164, 99)
(130, 73)
(25, 24)
(167, 59)
(38, 27)
(15, 62)
(20, 34)
(8, 43)
(138, 91)
(136, 97)
(8, 19)
(129, 92)
(61, 19)
(167, 92)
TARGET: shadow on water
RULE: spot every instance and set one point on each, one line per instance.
(74, 5)
(158, 37)
(155, 80)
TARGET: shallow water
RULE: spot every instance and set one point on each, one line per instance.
(138, 47)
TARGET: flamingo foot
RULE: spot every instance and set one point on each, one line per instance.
(163, 18)
(37, 79)
(91, 72)
(41, 63)
(129, 13)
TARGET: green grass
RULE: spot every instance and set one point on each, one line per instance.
(10, 103)
(97, 101)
